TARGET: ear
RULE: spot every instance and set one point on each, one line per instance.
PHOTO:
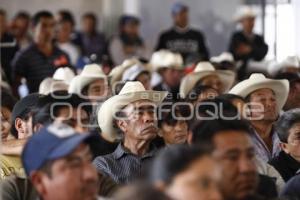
(190, 137)
(122, 124)
(19, 125)
(284, 147)
(37, 179)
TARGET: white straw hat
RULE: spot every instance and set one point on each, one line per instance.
(166, 59)
(64, 74)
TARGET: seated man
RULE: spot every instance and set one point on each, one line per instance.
(57, 160)
(287, 162)
(129, 116)
(234, 150)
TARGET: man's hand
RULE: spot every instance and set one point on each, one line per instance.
(243, 49)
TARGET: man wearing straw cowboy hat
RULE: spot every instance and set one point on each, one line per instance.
(129, 117)
(244, 44)
(206, 74)
(91, 84)
(266, 97)
(170, 67)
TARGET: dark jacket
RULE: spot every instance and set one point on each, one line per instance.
(285, 165)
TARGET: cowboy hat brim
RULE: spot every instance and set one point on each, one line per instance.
(109, 108)
(189, 81)
(79, 82)
(279, 87)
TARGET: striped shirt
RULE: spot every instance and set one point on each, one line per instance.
(33, 65)
(122, 166)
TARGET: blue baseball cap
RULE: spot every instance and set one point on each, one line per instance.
(51, 143)
(178, 7)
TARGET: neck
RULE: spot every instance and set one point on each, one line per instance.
(45, 47)
(263, 128)
(136, 147)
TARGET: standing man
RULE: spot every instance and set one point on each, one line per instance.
(245, 44)
(129, 116)
(181, 38)
(42, 57)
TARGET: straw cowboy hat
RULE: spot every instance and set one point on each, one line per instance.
(49, 85)
(202, 70)
(89, 74)
(133, 72)
(117, 72)
(131, 92)
(245, 12)
(223, 57)
(290, 61)
(64, 74)
(166, 59)
(259, 81)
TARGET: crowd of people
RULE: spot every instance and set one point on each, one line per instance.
(86, 117)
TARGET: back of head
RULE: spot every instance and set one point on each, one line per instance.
(203, 132)
(140, 191)
(286, 122)
(173, 160)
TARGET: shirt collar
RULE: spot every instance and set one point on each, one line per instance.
(121, 151)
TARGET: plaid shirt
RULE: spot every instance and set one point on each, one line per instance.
(122, 166)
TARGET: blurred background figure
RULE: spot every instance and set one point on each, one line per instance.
(185, 172)
(8, 48)
(181, 38)
(245, 45)
(64, 31)
(89, 39)
(128, 42)
(20, 29)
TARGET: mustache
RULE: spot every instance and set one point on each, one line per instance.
(150, 126)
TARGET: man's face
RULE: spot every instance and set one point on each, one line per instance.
(131, 29)
(44, 30)
(145, 79)
(72, 177)
(140, 122)
(198, 182)
(235, 154)
(97, 90)
(248, 24)
(88, 25)
(292, 147)
(213, 81)
(175, 133)
(20, 26)
(64, 31)
(182, 18)
(266, 99)
(172, 77)
(77, 118)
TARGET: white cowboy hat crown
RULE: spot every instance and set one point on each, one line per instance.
(89, 74)
(64, 74)
(259, 81)
(166, 59)
(225, 56)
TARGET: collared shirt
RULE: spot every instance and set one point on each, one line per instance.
(34, 65)
(262, 150)
(122, 166)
